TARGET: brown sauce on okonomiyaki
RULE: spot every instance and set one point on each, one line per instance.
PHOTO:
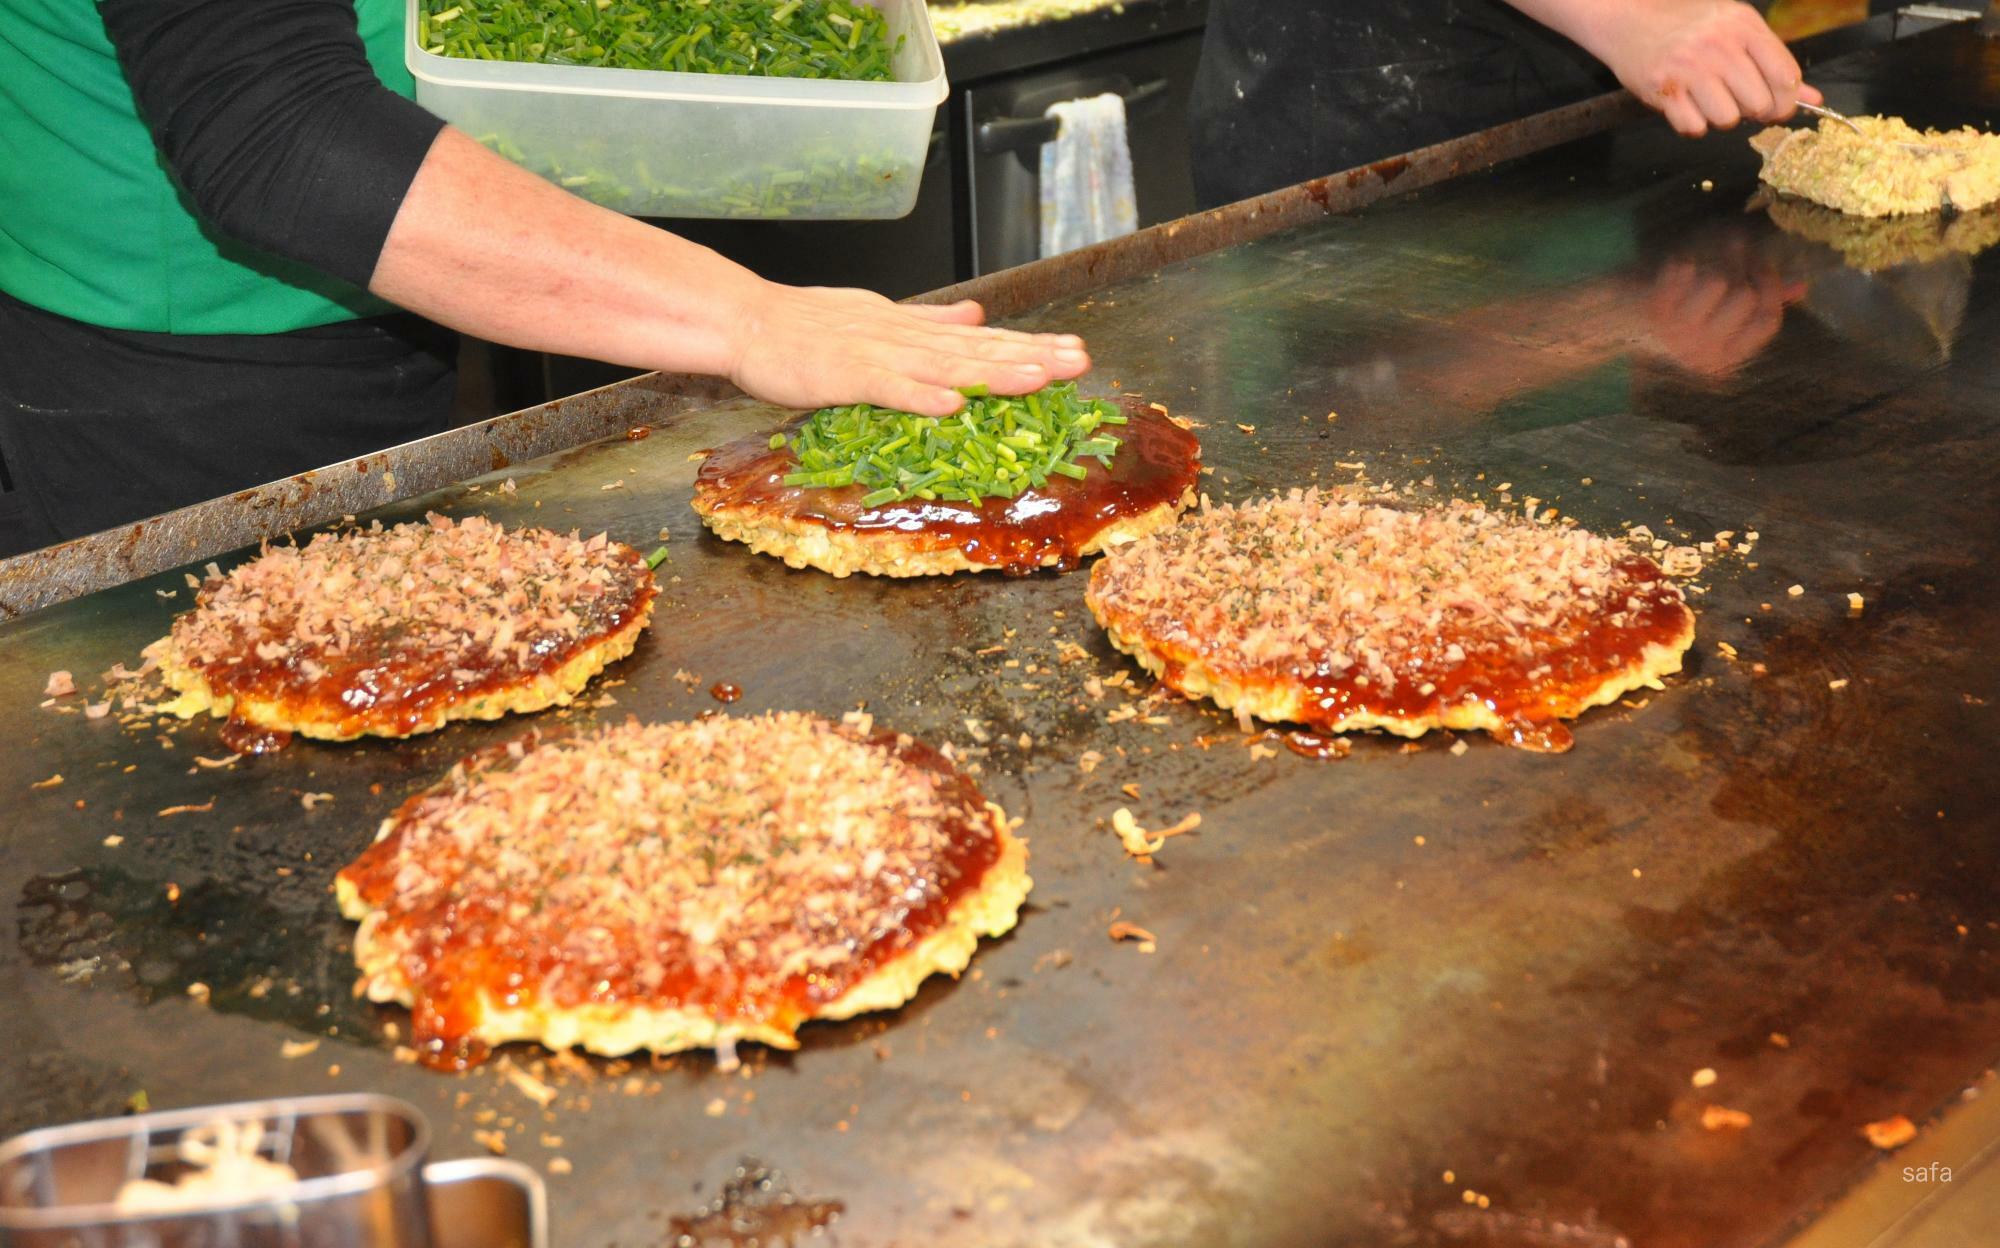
(469, 945)
(1155, 465)
(1345, 612)
(382, 686)
(1526, 689)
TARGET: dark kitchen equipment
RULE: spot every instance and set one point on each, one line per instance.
(1006, 127)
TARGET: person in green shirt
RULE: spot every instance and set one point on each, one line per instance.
(228, 241)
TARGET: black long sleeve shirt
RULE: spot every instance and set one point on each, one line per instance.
(272, 121)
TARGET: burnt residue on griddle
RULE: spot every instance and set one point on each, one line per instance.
(755, 1209)
(100, 927)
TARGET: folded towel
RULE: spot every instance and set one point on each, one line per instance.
(1087, 193)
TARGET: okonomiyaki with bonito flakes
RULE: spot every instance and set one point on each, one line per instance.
(396, 631)
(1011, 484)
(1346, 614)
(678, 885)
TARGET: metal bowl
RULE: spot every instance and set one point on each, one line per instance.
(363, 1182)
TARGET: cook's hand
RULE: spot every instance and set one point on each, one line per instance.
(815, 347)
(1702, 63)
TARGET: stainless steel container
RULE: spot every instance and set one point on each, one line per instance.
(363, 1180)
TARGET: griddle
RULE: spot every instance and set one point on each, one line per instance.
(1413, 996)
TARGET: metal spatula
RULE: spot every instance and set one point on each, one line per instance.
(1818, 110)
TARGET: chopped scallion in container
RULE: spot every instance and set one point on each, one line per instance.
(795, 39)
(994, 447)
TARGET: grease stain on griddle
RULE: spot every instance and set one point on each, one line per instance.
(754, 1210)
(101, 927)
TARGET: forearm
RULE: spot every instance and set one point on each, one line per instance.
(484, 246)
(283, 137)
(1582, 21)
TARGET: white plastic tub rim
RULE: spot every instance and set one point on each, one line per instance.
(926, 89)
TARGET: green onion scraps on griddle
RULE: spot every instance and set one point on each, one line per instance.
(993, 447)
(792, 39)
(658, 557)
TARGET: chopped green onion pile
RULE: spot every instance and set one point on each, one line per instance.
(839, 184)
(993, 447)
(788, 39)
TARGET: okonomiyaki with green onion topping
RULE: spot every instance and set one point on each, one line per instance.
(1012, 484)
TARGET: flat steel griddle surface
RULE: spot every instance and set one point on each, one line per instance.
(1403, 998)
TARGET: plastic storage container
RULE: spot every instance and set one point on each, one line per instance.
(658, 144)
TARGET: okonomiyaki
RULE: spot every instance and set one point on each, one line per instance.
(1888, 168)
(1008, 484)
(396, 631)
(678, 885)
(1343, 614)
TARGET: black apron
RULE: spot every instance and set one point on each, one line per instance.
(1290, 90)
(100, 427)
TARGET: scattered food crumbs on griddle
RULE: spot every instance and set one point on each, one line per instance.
(1259, 750)
(50, 783)
(1087, 761)
(1890, 1133)
(291, 1050)
(1779, 1040)
(508, 486)
(1855, 603)
(212, 763)
(1121, 930)
(1142, 844)
(1837, 684)
(60, 684)
(198, 991)
(492, 1141)
(560, 1165)
(716, 1108)
(1722, 1118)
(1796, 590)
(638, 433)
(1705, 1077)
(1055, 958)
(1459, 747)
(526, 1084)
(202, 809)
(113, 841)
(310, 800)
(619, 484)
